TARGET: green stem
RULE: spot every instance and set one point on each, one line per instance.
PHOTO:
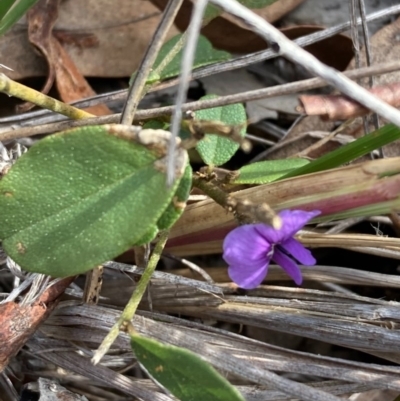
(12, 88)
(132, 305)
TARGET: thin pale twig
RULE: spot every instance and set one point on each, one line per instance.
(184, 79)
(136, 90)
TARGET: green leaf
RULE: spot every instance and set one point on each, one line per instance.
(211, 13)
(205, 54)
(351, 151)
(178, 203)
(5, 5)
(214, 149)
(267, 171)
(81, 197)
(182, 372)
(214, 11)
(11, 13)
(156, 124)
(257, 3)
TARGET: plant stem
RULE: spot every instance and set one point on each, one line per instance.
(193, 33)
(12, 88)
(131, 307)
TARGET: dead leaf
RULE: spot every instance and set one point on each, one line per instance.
(339, 107)
(71, 84)
(336, 51)
(123, 31)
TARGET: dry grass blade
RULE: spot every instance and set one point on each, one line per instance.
(85, 324)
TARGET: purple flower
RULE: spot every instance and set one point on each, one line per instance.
(249, 249)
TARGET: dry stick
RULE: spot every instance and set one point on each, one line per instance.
(356, 50)
(368, 58)
(215, 68)
(286, 48)
(12, 88)
(293, 87)
(184, 79)
(136, 90)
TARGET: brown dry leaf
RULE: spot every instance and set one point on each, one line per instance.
(70, 82)
(336, 51)
(18, 322)
(122, 28)
(221, 30)
(340, 107)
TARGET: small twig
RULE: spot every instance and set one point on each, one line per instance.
(192, 266)
(368, 58)
(184, 79)
(214, 192)
(136, 90)
(12, 88)
(286, 48)
(357, 60)
(245, 212)
(130, 308)
(293, 87)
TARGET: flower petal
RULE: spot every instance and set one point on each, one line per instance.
(248, 277)
(292, 221)
(288, 265)
(297, 250)
(245, 246)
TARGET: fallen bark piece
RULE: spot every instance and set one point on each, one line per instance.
(19, 322)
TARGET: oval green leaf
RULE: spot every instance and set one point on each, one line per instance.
(81, 197)
(214, 149)
(267, 171)
(182, 372)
